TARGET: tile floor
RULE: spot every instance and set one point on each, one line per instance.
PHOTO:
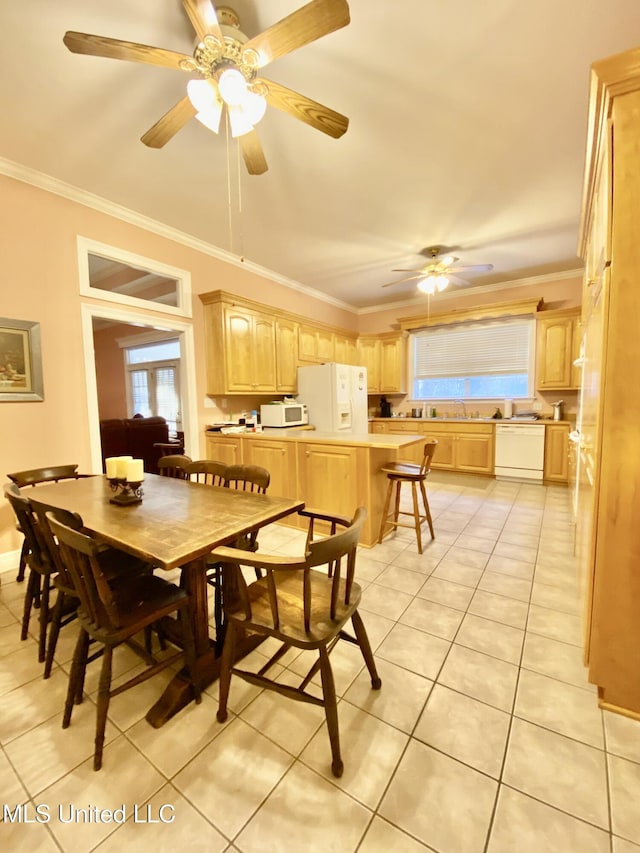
(485, 736)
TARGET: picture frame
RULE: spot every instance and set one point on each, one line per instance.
(20, 361)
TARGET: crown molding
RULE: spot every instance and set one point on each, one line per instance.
(57, 187)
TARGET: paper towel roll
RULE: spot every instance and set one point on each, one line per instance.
(508, 408)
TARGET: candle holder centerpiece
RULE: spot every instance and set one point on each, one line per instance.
(125, 476)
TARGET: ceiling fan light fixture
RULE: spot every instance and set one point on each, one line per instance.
(441, 282)
(239, 121)
(232, 87)
(254, 107)
(202, 94)
(427, 285)
(210, 119)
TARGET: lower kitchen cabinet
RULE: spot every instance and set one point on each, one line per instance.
(463, 447)
(279, 458)
(223, 448)
(328, 476)
(556, 453)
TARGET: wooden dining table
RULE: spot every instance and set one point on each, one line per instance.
(176, 525)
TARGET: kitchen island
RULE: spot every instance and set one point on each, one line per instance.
(328, 471)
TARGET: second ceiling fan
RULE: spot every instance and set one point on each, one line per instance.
(228, 62)
(438, 273)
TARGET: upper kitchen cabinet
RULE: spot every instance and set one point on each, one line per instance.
(286, 356)
(607, 529)
(315, 345)
(385, 357)
(345, 349)
(240, 347)
(557, 347)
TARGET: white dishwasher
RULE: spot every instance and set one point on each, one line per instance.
(519, 451)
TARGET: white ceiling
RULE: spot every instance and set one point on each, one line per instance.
(467, 129)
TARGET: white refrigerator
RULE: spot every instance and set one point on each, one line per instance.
(336, 397)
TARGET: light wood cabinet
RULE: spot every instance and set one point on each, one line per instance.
(224, 448)
(385, 357)
(345, 349)
(466, 447)
(608, 533)
(556, 453)
(286, 356)
(315, 345)
(328, 477)
(279, 458)
(557, 346)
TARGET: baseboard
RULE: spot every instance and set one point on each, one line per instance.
(9, 562)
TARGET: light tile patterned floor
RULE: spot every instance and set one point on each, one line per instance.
(485, 736)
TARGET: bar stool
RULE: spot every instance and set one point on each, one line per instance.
(408, 472)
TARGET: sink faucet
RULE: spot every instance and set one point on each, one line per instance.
(464, 408)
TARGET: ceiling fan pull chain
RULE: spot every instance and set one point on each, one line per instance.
(229, 183)
(239, 173)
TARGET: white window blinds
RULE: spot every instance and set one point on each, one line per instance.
(473, 349)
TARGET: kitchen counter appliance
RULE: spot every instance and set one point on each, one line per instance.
(519, 451)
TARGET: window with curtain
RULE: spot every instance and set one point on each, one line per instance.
(153, 378)
(491, 360)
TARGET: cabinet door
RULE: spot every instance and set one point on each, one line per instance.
(378, 428)
(369, 357)
(307, 344)
(286, 356)
(328, 477)
(238, 355)
(576, 342)
(554, 350)
(393, 366)
(264, 353)
(444, 453)
(474, 453)
(324, 346)
(344, 350)
(556, 453)
(224, 449)
(279, 458)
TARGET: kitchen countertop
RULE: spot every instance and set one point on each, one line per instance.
(472, 421)
(389, 442)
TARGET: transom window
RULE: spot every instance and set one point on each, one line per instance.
(474, 361)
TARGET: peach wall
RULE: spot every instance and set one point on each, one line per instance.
(112, 393)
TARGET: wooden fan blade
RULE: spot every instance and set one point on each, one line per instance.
(403, 280)
(170, 123)
(252, 153)
(472, 268)
(311, 22)
(203, 18)
(117, 49)
(303, 108)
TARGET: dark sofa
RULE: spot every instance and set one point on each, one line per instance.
(134, 437)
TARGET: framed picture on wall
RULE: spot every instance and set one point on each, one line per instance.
(20, 361)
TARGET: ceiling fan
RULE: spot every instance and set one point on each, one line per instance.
(439, 272)
(228, 62)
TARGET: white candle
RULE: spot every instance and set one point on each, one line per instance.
(135, 470)
(111, 466)
(122, 466)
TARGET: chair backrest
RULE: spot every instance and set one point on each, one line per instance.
(329, 551)
(80, 555)
(207, 471)
(37, 557)
(42, 511)
(429, 450)
(247, 478)
(44, 475)
(174, 465)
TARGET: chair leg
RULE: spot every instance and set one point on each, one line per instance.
(34, 578)
(104, 694)
(427, 510)
(82, 670)
(79, 660)
(416, 515)
(218, 613)
(365, 648)
(44, 618)
(385, 511)
(56, 618)
(331, 711)
(22, 565)
(225, 672)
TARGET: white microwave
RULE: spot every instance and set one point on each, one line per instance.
(283, 414)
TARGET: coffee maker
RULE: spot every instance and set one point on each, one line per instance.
(385, 408)
(557, 410)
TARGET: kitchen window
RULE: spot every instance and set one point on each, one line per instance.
(474, 361)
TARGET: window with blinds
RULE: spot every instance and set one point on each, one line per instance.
(474, 361)
(153, 373)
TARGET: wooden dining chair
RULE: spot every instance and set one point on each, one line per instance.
(407, 472)
(303, 608)
(174, 466)
(207, 471)
(34, 477)
(112, 613)
(246, 478)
